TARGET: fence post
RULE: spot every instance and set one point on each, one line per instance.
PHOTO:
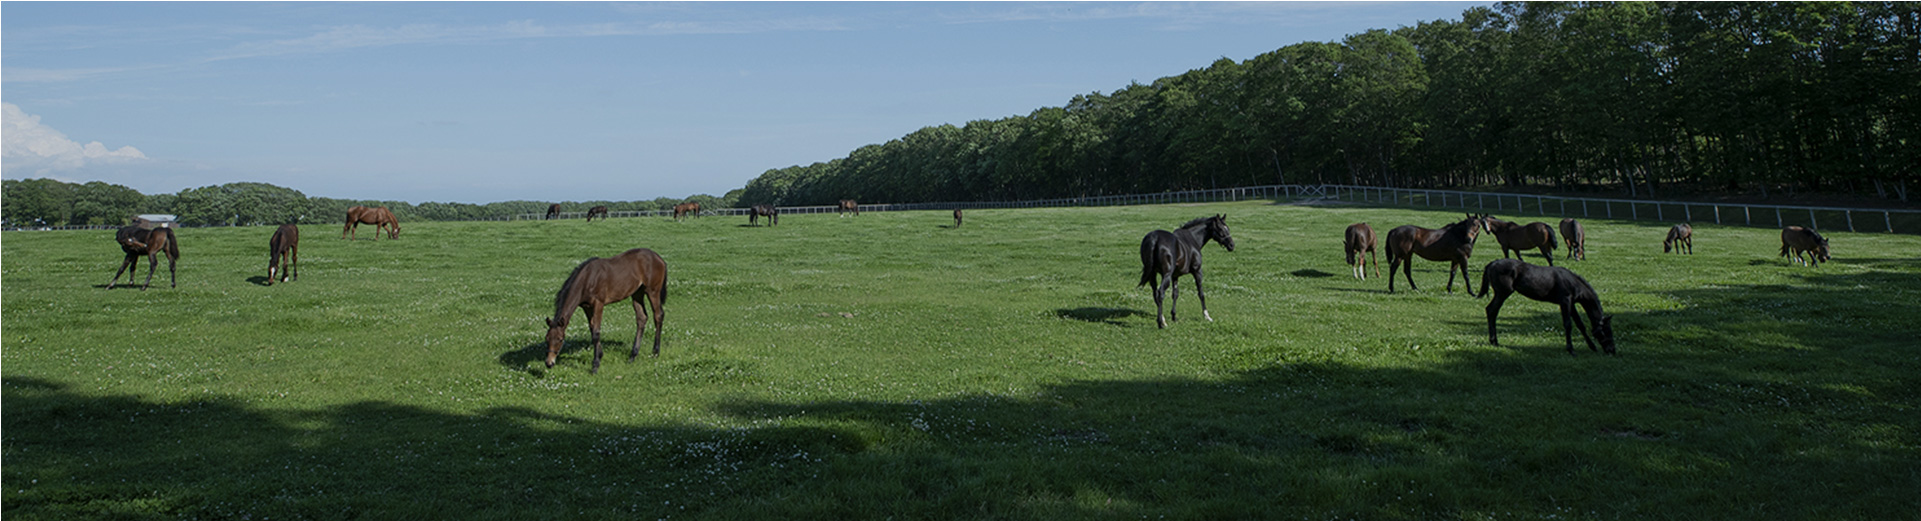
(1811, 223)
(1850, 214)
(1747, 216)
(1717, 214)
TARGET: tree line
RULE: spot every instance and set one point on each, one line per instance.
(49, 202)
(1643, 98)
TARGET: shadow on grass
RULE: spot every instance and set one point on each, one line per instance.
(1311, 273)
(1110, 316)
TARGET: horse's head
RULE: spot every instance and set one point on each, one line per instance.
(1822, 250)
(556, 334)
(1217, 230)
(1604, 333)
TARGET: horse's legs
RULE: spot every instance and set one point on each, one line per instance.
(1160, 291)
(659, 298)
(129, 261)
(1547, 250)
(1494, 310)
(173, 278)
(153, 264)
(1202, 292)
(293, 261)
(1173, 297)
(1377, 263)
(640, 324)
(1450, 276)
(593, 328)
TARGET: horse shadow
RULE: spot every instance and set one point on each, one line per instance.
(1311, 273)
(1109, 316)
(525, 358)
(1356, 290)
(258, 280)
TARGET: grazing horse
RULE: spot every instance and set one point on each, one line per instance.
(599, 211)
(1360, 240)
(1523, 237)
(684, 209)
(957, 217)
(1453, 243)
(1803, 240)
(379, 216)
(1576, 237)
(283, 252)
(1168, 255)
(754, 214)
(1552, 285)
(848, 205)
(553, 211)
(636, 274)
(136, 241)
(1679, 235)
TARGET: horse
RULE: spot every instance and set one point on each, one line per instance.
(957, 217)
(755, 213)
(1804, 240)
(848, 205)
(1453, 243)
(1576, 237)
(136, 241)
(283, 252)
(553, 210)
(1679, 235)
(1360, 239)
(683, 209)
(1520, 238)
(1553, 285)
(600, 211)
(379, 216)
(1168, 255)
(635, 274)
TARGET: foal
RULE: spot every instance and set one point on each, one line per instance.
(1548, 284)
(1802, 240)
(1678, 236)
(1576, 237)
(151, 243)
(1360, 239)
(283, 251)
(638, 274)
(957, 217)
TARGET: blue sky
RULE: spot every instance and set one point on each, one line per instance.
(496, 101)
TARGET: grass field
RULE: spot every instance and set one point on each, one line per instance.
(890, 366)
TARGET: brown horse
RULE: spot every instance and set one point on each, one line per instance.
(636, 274)
(597, 211)
(957, 217)
(379, 216)
(283, 252)
(1576, 237)
(1360, 240)
(1453, 243)
(848, 205)
(1521, 238)
(1803, 240)
(1167, 255)
(760, 210)
(553, 211)
(1678, 236)
(136, 241)
(684, 209)
(1553, 285)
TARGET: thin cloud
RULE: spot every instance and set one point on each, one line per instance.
(30, 147)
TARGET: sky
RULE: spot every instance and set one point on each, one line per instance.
(480, 102)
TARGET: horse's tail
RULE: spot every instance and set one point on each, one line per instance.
(1147, 263)
(1486, 273)
(1552, 241)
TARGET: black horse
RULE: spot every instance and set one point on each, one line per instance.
(754, 214)
(136, 241)
(1553, 285)
(1168, 255)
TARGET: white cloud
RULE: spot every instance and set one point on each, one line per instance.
(31, 148)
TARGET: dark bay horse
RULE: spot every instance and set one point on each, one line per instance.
(1576, 237)
(1453, 243)
(1168, 255)
(597, 211)
(1678, 236)
(1804, 240)
(553, 211)
(760, 210)
(379, 216)
(957, 217)
(1521, 238)
(283, 252)
(135, 242)
(637, 274)
(1553, 285)
(684, 209)
(848, 205)
(1360, 240)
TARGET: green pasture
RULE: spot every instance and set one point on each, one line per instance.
(892, 366)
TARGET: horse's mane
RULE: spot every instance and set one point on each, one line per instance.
(560, 298)
(1197, 222)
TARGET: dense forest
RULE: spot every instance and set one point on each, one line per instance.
(1647, 99)
(48, 202)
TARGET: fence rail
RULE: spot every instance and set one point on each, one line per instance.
(1851, 219)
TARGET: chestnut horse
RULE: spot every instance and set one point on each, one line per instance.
(136, 241)
(553, 210)
(600, 211)
(1168, 255)
(1553, 285)
(636, 274)
(848, 205)
(1521, 238)
(283, 252)
(957, 217)
(1678, 236)
(378, 216)
(684, 209)
(1804, 240)
(1360, 240)
(1453, 243)
(1576, 237)
(755, 213)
